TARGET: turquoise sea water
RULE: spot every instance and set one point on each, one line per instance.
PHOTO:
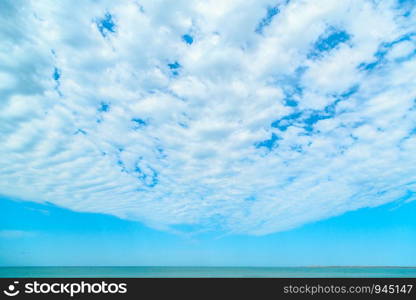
(207, 272)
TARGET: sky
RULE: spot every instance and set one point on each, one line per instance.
(213, 132)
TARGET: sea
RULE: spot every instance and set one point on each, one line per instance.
(208, 272)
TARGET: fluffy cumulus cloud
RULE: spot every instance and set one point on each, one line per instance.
(243, 116)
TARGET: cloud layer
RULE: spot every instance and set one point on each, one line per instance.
(246, 117)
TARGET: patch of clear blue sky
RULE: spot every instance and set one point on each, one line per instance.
(188, 39)
(149, 179)
(270, 143)
(384, 235)
(174, 67)
(104, 107)
(407, 6)
(138, 123)
(382, 51)
(328, 41)
(56, 74)
(106, 24)
(308, 118)
(271, 12)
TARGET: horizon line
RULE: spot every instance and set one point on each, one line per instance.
(184, 266)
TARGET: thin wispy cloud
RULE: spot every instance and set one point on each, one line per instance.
(246, 117)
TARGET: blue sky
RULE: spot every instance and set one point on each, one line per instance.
(36, 234)
(206, 129)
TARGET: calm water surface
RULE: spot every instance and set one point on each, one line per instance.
(200, 272)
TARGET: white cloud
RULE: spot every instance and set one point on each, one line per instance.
(240, 131)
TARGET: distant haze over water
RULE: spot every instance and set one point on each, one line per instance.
(204, 272)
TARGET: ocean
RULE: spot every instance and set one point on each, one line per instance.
(207, 272)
